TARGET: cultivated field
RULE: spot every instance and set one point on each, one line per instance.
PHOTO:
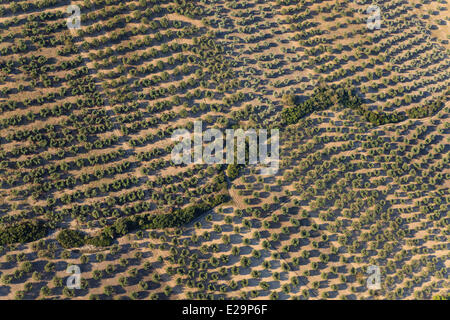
(87, 179)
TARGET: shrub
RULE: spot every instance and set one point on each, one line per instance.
(71, 238)
(23, 232)
(324, 97)
(155, 221)
(427, 110)
(100, 241)
(233, 171)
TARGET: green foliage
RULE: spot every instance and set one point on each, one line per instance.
(100, 241)
(427, 110)
(155, 221)
(324, 97)
(321, 99)
(23, 232)
(290, 100)
(233, 171)
(441, 297)
(71, 238)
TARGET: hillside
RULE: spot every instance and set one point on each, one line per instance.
(87, 178)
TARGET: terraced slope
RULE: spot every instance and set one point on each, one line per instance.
(86, 118)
